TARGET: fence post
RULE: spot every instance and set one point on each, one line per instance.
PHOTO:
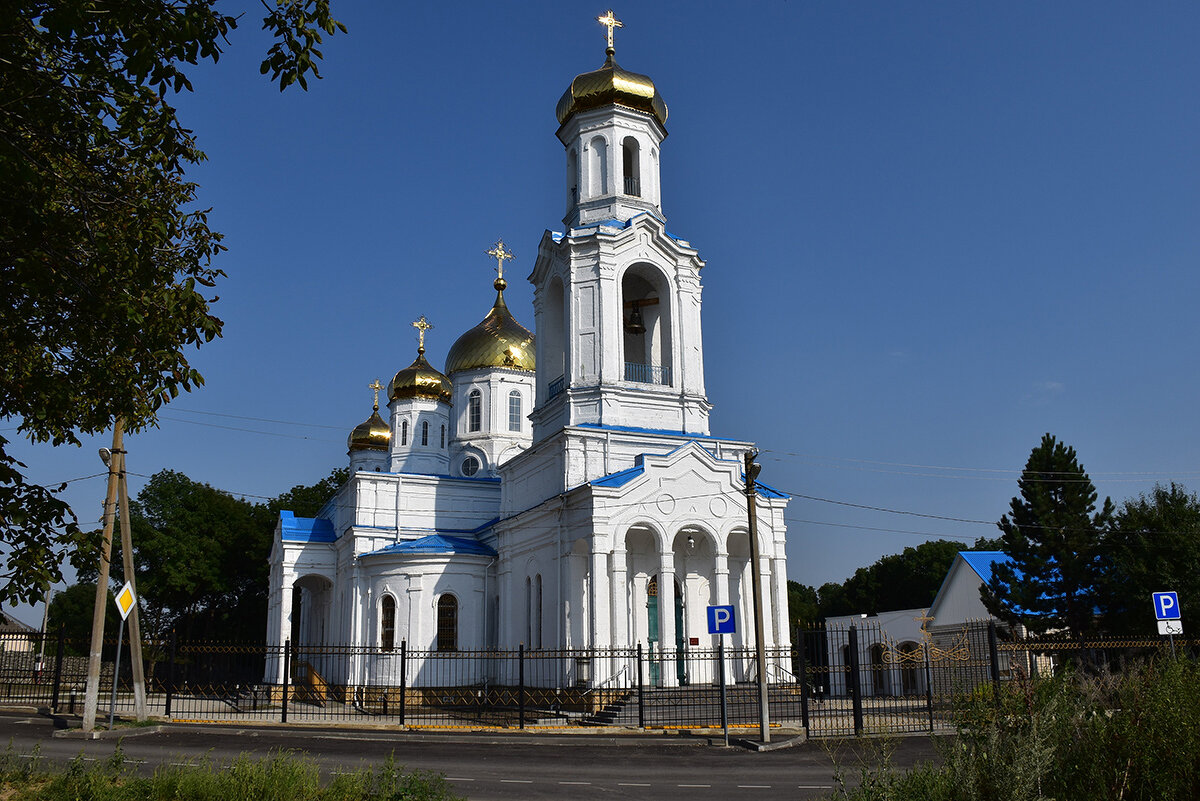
(928, 683)
(994, 658)
(855, 689)
(403, 681)
(641, 701)
(287, 677)
(58, 660)
(170, 676)
(521, 683)
(802, 673)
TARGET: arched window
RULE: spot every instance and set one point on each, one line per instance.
(514, 411)
(598, 168)
(404, 433)
(572, 179)
(387, 623)
(529, 611)
(424, 432)
(447, 623)
(630, 160)
(537, 607)
(443, 442)
(475, 410)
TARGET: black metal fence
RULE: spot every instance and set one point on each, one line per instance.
(831, 681)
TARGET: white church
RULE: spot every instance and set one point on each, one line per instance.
(557, 491)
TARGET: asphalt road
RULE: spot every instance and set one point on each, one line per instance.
(505, 766)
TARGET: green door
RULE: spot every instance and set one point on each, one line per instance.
(680, 640)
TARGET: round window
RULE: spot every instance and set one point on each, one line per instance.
(470, 466)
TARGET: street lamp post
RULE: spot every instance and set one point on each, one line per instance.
(752, 470)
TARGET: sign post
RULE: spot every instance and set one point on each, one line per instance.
(1169, 615)
(722, 621)
(125, 601)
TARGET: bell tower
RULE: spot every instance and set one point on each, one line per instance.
(611, 125)
(617, 298)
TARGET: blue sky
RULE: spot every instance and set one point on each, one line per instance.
(933, 232)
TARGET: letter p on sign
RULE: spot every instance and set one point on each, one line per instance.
(1166, 606)
(721, 620)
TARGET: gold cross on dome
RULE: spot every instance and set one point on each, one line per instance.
(500, 253)
(375, 385)
(610, 22)
(422, 326)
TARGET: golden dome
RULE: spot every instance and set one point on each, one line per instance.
(499, 341)
(420, 380)
(372, 435)
(608, 85)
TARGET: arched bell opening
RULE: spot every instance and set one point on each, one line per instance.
(646, 325)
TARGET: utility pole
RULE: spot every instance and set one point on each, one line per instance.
(752, 470)
(135, 629)
(91, 695)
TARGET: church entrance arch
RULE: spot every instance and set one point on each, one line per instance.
(654, 612)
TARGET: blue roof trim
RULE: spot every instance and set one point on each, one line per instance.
(613, 222)
(768, 491)
(305, 529)
(620, 478)
(437, 544)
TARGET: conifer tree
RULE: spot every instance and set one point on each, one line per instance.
(1052, 535)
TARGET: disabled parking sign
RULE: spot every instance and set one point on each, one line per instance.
(721, 620)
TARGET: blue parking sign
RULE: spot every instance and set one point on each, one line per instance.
(721, 620)
(1166, 606)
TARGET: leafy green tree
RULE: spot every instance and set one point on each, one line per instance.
(201, 559)
(1053, 537)
(71, 610)
(201, 554)
(306, 501)
(832, 601)
(1154, 545)
(105, 261)
(906, 580)
(803, 606)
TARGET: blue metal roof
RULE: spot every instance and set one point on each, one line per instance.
(981, 562)
(305, 529)
(620, 478)
(438, 543)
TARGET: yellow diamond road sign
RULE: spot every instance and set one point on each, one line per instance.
(125, 600)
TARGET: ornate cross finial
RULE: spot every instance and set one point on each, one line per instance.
(375, 385)
(610, 22)
(500, 254)
(422, 326)
(924, 619)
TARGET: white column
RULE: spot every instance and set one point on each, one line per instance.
(783, 636)
(766, 590)
(619, 600)
(666, 618)
(721, 579)
(600, 602)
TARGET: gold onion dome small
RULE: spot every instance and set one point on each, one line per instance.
(371, 435)
(611, 85)
(498, 341)
(420, 380)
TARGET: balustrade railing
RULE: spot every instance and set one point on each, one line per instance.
(647, 373)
